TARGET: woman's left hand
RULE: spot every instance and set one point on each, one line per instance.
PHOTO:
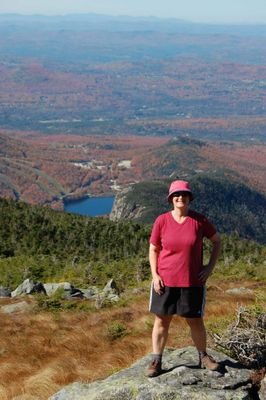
(205, 273)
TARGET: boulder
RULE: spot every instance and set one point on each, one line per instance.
(28, 287)
(181, 379)
(70, 292)
(91, 292)
(5, 292)
(109, 294)
(105, 298)
(241, 291)
(51, 288)
(110, 287)
(73, 293)
(22, 306)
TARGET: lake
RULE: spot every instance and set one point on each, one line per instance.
(91, 206)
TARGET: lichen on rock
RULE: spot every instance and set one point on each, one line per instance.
(182, 379)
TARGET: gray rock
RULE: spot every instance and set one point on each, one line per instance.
(125, 209)
(23, 306)
(110, 286)
(109, 293)
(73, 293)
(239, 291)
(103, 299)
(51, 288)
(105, 296)
(91, 292)
(25, 288)
(5, 292)
(113, 297)
(28, 287)
(180, 380)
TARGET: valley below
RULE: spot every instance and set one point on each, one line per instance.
(129, 101)
(49, 170)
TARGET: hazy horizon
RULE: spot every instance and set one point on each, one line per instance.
(19, 14)
(206, 11)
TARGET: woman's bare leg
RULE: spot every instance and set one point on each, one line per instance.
(160, 333)
(198, 333)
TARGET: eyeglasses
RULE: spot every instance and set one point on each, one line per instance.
(178, 194)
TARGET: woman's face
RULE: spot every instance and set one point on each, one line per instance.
(181, 199)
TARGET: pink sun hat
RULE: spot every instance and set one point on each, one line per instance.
(179, 186)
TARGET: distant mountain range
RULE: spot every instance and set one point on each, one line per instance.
(92, 74)
(92, 21)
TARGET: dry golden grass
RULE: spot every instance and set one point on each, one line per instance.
(40, 353)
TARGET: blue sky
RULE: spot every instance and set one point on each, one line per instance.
(211, 11)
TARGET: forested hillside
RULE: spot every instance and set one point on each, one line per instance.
(232, 206)
(47, 245)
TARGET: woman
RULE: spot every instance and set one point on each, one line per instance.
(178, 273)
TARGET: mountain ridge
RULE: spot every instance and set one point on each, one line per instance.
(229, 204)
(166, 23)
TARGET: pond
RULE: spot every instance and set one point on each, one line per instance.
(91, 206)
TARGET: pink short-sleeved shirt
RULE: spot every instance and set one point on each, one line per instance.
(181, 248)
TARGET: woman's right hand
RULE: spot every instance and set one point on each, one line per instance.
(158, 284)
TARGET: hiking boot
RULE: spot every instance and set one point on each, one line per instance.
(154, 369)
(208, 362)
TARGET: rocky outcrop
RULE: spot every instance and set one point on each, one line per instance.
(181, 379)
(108, 294)
(124, 208)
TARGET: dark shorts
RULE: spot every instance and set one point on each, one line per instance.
(187, 302)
